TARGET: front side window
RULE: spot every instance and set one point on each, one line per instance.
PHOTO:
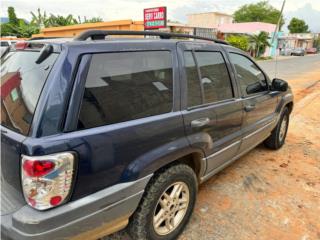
(126, 86)
(250, 77)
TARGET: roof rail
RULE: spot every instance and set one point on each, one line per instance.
(42, 38)
(101, 34)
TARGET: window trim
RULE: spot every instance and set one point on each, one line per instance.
(84, 78)
(189, 108)
(246, 96)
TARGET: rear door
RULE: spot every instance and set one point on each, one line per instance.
(258, 102)
(212, 111)
(128, 122)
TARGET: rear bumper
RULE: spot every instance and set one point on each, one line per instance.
(91, 217)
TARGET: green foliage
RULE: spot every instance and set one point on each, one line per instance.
(13, 20)
(238, 41)
(39, 19)
(17, 27)
(297, 25)
(90, 20)
(259, 42)
(259, 12)
(22, 30)
(6, 29)
(56, 21)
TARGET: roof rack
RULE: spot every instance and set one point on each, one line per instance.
(42, 38)
(101, 34)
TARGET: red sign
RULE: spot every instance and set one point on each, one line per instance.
(155, 18)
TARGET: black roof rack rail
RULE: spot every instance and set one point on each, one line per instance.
(101, 34)
(42, 38)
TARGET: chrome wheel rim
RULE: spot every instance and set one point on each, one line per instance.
(171, 208)
(283, 128)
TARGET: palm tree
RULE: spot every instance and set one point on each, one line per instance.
(55, 21)
(40, 19)
(259, 42)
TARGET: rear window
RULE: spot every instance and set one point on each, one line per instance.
(125, 86)
(21, 83)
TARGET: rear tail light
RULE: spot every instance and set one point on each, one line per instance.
(47, 180)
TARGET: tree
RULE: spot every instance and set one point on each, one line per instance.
(238, 41)
(259, 12)
(55, 21)
(259, 42)
(297, 25)
(13, 20)
(17, 27)
(90, 20)
(39, 19)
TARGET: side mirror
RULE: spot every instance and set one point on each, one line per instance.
(254, 88)
(279, 85)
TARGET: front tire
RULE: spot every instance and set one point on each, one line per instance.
(166, 206)
(278, 135)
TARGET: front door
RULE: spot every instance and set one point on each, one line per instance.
(212, 111)
(258, 102)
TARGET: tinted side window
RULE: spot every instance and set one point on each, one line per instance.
(194, 92)
(126, 86)
(251, 79)
(214, 76)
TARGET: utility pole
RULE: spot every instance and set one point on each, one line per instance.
(278, 24)
(276, 33)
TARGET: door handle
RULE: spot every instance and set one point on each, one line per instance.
(200, 122)
(249, 108)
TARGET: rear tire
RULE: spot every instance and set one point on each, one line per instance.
(278, 135)
(166, 206)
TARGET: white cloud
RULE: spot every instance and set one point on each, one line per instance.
(132, 9)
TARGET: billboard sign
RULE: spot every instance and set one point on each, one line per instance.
(155, 18)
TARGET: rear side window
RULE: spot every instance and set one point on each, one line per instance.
(125, 86)
(21, 83)
(214, 83)
(194, 91)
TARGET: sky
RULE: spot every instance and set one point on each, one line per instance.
(133, 9)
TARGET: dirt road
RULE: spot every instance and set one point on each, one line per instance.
(268, 194)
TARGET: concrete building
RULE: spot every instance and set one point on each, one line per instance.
(73, 30)
(209, 19)
(251, 28)
(297, 40)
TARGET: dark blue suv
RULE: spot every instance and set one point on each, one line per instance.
(102, 133)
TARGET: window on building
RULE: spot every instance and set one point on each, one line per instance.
(251, 78)
(126, 86)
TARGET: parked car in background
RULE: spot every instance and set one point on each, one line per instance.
(98, 134)
(5, 45)
(298, 52)
(311, 50)
(292, 52)
(286, 51)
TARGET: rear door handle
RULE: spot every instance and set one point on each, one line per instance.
(249, 108)
(200, 122)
